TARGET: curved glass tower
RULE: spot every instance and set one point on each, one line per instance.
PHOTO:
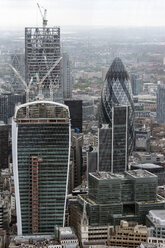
(117, 92)
(41, 152)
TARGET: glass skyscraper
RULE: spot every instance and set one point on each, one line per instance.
(113, 142)
(41, 152)
(116, 92)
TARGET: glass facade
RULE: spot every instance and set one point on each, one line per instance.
(114, 197)
(117, 91)
(113, 142)
(42, 159)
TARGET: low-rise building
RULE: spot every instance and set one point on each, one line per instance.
(128, 235)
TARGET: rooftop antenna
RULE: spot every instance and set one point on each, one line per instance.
(43, 15)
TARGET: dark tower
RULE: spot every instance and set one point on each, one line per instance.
(117, 93)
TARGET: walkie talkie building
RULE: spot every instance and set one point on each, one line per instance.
(41, 152)
(117, 91)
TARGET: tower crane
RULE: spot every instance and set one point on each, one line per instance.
(44, 20)
(43, 79)
(27, 86)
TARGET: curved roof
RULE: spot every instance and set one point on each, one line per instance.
(117, 70)
(37, 102)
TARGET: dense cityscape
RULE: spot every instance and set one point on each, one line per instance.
(82, 136)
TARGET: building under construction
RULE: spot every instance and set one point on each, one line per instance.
(41, 152)
(42, 50)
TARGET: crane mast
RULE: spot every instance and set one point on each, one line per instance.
(44, 20)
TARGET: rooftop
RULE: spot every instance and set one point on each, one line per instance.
(157, 217)
(106, 175)
(148, 166)
(140, 173)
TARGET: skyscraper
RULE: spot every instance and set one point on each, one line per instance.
(160, 103)
(3, 146)
(117, 91)
(42, 50)
(113, 142)
(41, 152)
(18, 61)
(67, 79)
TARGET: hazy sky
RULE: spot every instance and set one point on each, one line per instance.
(20, 13)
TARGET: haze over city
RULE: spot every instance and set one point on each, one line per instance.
(18, 13)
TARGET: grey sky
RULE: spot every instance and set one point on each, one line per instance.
(20, 13)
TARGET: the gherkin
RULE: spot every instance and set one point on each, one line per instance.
(117, 91)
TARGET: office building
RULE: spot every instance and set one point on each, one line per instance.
(160, 103)
(75, 108)
(41, 153)
(18, 62)
(156, 220)
(7, 105)
(76, 157)
(127, 235)
(92, 160)
(142, 140)
(67, 79)
(42, 50)
(136, 83)
(113, 142)
(115, 197)
(117, 91)
(3, 146)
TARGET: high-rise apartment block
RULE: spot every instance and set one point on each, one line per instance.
(160, 103)
(113, 141)
(42, 50)
(41, 152)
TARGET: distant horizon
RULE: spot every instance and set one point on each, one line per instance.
(81, 27)
(126, 13)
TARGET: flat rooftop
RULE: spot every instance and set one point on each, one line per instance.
(106, 175)
(157, 217)
(148, 166)
(140, 173)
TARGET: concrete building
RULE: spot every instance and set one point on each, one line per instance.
(142, 140)
(34, 241)
(156, 220)
(66, 237)
(147, 157)
(41, 154)
(127, 235)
